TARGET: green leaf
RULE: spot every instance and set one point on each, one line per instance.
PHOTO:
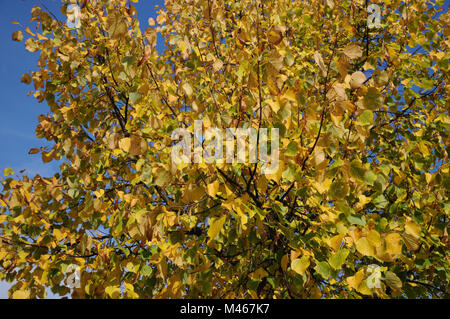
(411, 242)
(292, 149)
(380, 183)
(128, 60)
(380, 201)
(146, 174)
(338, 189)
(131, 267)
(339, 258)
(372, 99)
(323, 268)
(289, 174)
(357, 220)
(370, 177)
(146, 271)
(73, 193)
(366, 118)
(162, 177)
(356, 170)
(134, 97)
(392, 280)
(300, 265)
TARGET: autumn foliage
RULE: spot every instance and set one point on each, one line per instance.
(357, 209)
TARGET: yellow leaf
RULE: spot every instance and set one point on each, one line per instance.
(337, 93)
(125, 144)
(274, 36)
(8, 171)
(355, 281)
(217, 65)
(363, 289)
(113, 292)
(161, 19)
(357, 80)
(324, 185)
(117, 27)
(216, 227)
(319, 60)
(3, 254)
(393, 244)
(259, 274)
(213, 188)
(412, 228)
(336, 241)
(26, 78)
(272, 85)
(113, 141)
(193, 193)
(411, 242)
(135, 145)
(188, 89)
(364, 247)
(129, 286)
(276, 176)
(170, 217)
(174, 288)
(31, 45)
(423, 148)
(41, 37)
(374, 238)
(58, 234)
(17, 36)
(363, 200)
(300, 265)
(295, 254)
(21, 294)
(274, 105)
(290, 95)
(99, 193)
(381, 254)
(27, 30)
(152, 38)
(353, 51)
(392, 280)
(343, 65)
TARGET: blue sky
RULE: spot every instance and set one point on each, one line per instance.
(19, 113)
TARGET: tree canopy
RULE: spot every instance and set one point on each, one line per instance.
(358, 207)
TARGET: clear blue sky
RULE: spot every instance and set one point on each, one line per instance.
(18, 117)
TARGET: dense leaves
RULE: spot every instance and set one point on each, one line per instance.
(363, 178)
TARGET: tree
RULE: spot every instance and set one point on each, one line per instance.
(358, 207)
